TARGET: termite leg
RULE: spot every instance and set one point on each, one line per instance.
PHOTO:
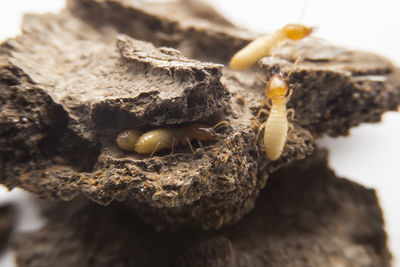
(261, 111)
(261, 78)
(291, 112)
(266, 102)
(292, 68)
(220, 124)
(199, 142)
(262, 126)
(173, 145)
(254, 124)
(190, 144)
(291, 128)
(155, 149)
(289, 95)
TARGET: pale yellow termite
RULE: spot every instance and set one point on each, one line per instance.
(169, 138)
(262, 46)
(276, 126)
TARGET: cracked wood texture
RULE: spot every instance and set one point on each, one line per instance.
(306, 216)
(72, 81)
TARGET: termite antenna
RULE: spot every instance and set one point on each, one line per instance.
(303, 11)
(190, 144)
(154, 150)
(261, 78)
(315, 29)
(220, 124)
(292, 68)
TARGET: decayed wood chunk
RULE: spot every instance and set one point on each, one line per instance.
(71, 82)
(306, 216)
(80, 99)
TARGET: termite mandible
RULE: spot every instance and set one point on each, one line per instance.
(262, 46)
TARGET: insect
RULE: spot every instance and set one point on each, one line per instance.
(262, 46)
(164, 138)
(276, 126)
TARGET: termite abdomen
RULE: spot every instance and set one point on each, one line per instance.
(264, 45)
(156, 140)
(127, 139)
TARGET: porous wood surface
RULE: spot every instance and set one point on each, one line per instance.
(72, 81)
(306, 216)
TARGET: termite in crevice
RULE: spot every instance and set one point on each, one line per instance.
(277, 125)
(167, 138)
(262, 46)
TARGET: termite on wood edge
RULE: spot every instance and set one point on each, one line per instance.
(167, 138)
(276, 126)
(262, 46)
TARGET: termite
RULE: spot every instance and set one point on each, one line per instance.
(169, 138)
(262, 46)
(276, 126)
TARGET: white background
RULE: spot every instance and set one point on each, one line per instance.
(370, 155)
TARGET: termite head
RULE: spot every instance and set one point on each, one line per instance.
(204, 132)
(201, 132)
(297, 32)
(276, 87)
